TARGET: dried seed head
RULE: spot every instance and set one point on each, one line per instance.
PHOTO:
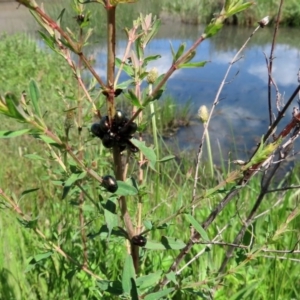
(264, 21)
(203, 113)
(152, 76)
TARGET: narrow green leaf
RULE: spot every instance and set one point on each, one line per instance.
(133, 98)
(149, 280)
(165, 243)
(158, 94)
(47, 140)
(147, 151)
(180, 51)
(112, 287)
(29, 191)
(125, 84)
(197, 226)
(172, 277)
(111, 220)
(152, 33)
(7, 134)
(36, 259)
(49, 40)
(173, 52)
(139, 49)
(193, 65)
(34, 96)
(128, 69)
(128, 276)
(148, 224)
(33, 156)
(14, 108)
(41, 256)
(238, 9)
(125, 189)
(212, 29)
(160, 294)
(31, 224)
(150, 58)
(166, 158)
(70, 181)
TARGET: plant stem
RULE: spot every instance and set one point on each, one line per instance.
(119, 168)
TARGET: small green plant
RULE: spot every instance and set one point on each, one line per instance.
(115, 224)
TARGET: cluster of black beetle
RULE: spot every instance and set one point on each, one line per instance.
(116, 134)
(139, 240)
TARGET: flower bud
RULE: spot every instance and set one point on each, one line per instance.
(152, 76)
(203, 114)
(264, 21)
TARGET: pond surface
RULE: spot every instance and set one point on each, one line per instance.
(241, 117)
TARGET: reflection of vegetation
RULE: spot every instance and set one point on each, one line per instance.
(197, 11)
(236, 35)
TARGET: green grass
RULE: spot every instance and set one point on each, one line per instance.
(198, 11)
(27, 273)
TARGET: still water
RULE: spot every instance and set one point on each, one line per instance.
(241, 117)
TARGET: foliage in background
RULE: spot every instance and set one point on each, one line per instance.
(201, 11)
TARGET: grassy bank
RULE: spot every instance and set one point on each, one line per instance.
(201, 12)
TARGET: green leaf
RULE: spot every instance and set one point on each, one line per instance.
(125, 189)
(148, 281)
(124, 85)
(139, 49)
(41, 256)
(31, 224)
(172, 277)
(158, 95)
(111, 218)
(193, 65)
(34, 96)
(70, 181)
(180, 51)
(150, 58)
(160, 294)
(147, 151)
(148, 224)
(49, 41)
(238, 9)
(15, 110)
(133, 98)
(7, 134)
(29, 191)
(128, 278)
(47, 140)
(36, 259)
(128, 69)
(152, 33)
(197, 226)
(112, 287)
(173, 52)
(166, 158)
(33, 156)
(165, 243)
(212, 29)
